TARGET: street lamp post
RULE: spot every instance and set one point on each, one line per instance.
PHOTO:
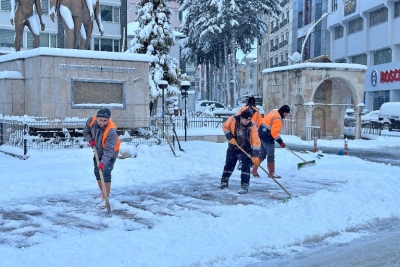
(296, 57)
(185, 85)
(163, 85)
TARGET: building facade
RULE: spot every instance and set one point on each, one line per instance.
(275, 49)
(114, 20)
(366, 32)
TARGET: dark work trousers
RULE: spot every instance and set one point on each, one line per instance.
(232, 155)
(267, 150)
(107, 170)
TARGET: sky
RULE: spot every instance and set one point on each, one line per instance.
(167, 210)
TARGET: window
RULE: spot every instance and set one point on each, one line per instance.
(45, 7)
(397, 9)
(356, 25)
(5, 5)
(300, 20)
(128, 9)
(7, 38)
(109, 13)
(334, 5)
(378, 16)
(48, 40)
(177, 14)
(340, 60)
(251, 75)
(338, 32)
(109, 45)
(137, 9)
(276, 61)
(383, 56)
(359, 59)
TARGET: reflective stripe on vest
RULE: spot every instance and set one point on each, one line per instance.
(110, 125)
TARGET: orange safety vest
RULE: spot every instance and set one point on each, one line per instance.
(256, 118)
(110, 125)
(273, 122)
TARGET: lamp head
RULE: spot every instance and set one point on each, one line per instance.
(163, 84)
(185, 85)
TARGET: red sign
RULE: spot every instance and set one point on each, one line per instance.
(390, 76)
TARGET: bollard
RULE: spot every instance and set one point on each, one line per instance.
(345, 147)
(315, 144)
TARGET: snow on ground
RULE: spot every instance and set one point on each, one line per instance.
(167, 210)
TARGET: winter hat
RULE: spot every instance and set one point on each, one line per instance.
(104, 113)
(247, 114)
(284, 108)
(251, 101)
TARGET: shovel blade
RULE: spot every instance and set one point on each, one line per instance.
(306, 164)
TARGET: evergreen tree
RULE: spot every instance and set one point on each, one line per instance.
(228, 25)
(155, 38)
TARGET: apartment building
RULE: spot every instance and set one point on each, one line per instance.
(114, 19)
(366, 32)
(275, 49)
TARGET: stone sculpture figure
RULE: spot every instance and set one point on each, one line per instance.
(88, 23)
(71, 13)
(22, 15)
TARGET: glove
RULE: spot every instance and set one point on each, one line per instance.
(91, 143)
(282, 144)
(101, 166)
(232, 141)
(255, 160)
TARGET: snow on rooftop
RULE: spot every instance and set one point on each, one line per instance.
(313, 65)
(45, 51)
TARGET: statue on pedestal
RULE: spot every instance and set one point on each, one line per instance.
(71, 13)
(22, 15)
(88, 23)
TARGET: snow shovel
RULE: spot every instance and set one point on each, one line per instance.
(103, 186)
(287, 198)
(302, 164)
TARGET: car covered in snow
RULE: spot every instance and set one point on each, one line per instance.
(389, 116)
(205, 107)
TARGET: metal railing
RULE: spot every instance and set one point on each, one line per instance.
(48, 133)
(52, 134)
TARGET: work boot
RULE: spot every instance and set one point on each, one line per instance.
(254, 171)
(271, 170)
(244, 189)
(223, 185)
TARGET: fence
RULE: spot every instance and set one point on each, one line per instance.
(49, 133)
(313, 131)
(46, 133)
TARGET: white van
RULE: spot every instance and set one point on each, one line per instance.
(389, 116)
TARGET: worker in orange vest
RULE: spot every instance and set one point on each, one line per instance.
(269, 133)
(251, 104)
(256, 118)
(240, 132)
(101, 132)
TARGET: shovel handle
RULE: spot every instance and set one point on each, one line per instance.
(295, 154)
(103, 185)
(247, 154)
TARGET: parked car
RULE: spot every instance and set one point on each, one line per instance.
(172, 103)
(370, 117)
(389, 116)
(350, 117)
(204, 107)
